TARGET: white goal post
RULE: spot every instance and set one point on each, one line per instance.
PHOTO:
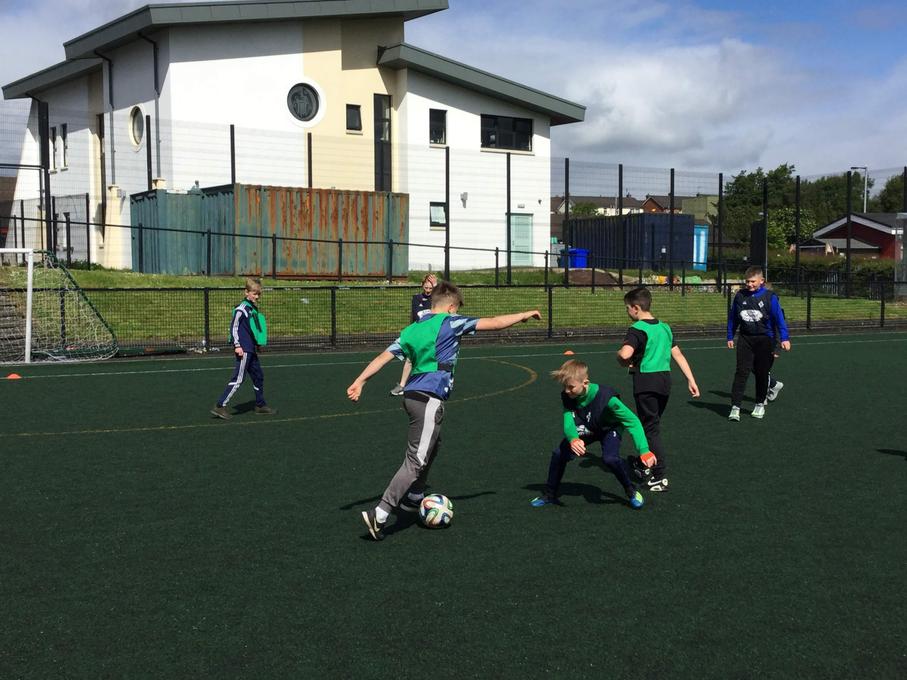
(44, 314)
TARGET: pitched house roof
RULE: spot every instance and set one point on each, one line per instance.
(887, 223)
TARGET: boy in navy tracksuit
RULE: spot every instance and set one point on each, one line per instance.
(245, 348)
(756, 313)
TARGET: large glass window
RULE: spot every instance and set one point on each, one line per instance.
(504, 132)
(437, 126)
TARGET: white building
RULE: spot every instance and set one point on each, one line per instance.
(379, 114)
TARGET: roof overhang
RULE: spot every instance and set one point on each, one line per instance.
(58, 73)
(403, 56)
(855, 219)
(154, 17)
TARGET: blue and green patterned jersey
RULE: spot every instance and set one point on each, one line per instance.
(432, 344)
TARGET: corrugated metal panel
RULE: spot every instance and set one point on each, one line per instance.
(646, 235)
(307, 222)
(165, 250)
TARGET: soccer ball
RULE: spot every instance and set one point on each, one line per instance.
(436, 511)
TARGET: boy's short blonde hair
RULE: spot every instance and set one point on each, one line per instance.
(253, 283)
(446, 293)
(573, 369)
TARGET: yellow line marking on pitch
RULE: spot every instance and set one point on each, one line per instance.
(533, 376)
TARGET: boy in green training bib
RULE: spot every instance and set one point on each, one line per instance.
(647, 351)
(248, 331)
(432, 344)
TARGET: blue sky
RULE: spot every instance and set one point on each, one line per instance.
(701, 85)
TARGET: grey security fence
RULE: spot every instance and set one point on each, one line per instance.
(159, 320)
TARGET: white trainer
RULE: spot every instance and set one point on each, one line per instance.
(773, 393)
(735, 414)
(758, 411)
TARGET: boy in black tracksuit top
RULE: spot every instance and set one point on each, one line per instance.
(246, 350)
(647, 350)
(756, 313)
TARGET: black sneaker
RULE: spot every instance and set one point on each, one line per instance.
(265, 411)
(639, 470)
(409, 505)
(657, 483)
(221, 412)
(375, 528)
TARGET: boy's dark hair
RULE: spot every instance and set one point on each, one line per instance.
(446, 293)
(755, 270)
(641, 297)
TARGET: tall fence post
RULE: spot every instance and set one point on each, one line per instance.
(881, 304)
(550, 311)
(208, 254)
(592, 263)
(720, 226)
(141, 248)
(447, 213)
(671, 234)
(68, 223)
(333, 316)
(623, 225)
(809, 306)
(390, 260)
(797, 234)
(849, 231)
(497, 268)
(88, 230)
(273, 256)
(547, 257)
(683, 278)
(509, 227)
(340, 260)
(565, 230)
(206, 341)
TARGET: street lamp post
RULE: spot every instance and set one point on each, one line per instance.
(865, 182)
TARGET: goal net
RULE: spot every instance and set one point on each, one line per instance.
(44, 315)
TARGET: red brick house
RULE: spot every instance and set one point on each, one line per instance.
(871, 233)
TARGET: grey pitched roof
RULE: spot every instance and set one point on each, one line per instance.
(408, 56)
(50, 76)
(151, 17)
(884, 222)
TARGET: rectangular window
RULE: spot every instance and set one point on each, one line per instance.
(65, 145)
(437, 126)
(437, 215)
(53, 148)
(503, 132)
(353, 117)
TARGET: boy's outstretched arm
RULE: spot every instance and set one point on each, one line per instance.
(497, 323)
(355, 390)
(684, 367)
(631, 423)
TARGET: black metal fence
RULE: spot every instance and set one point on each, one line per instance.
(335, 317)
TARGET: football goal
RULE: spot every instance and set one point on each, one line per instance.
(44, 315)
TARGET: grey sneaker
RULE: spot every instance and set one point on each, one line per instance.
(773, 393)
(265, 410)
(221, 412)
(734, 414)
(397, 391)
(758, 411)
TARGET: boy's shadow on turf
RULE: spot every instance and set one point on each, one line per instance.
(722, 409)
(373, 500)
(894, 452)
(247, 407)
(589, 492)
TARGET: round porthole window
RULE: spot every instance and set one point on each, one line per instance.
(136, 126)
(302, 100)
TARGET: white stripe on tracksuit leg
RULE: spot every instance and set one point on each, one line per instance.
(428, 429)
(239, 377)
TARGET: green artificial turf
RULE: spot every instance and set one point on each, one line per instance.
(143, 538)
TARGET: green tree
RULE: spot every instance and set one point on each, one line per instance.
(891, 197)
(782, 226)
(583, 210)
(743, 199)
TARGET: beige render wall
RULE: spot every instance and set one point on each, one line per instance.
(341, 56)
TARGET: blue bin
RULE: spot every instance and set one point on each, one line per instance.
(579, 257)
